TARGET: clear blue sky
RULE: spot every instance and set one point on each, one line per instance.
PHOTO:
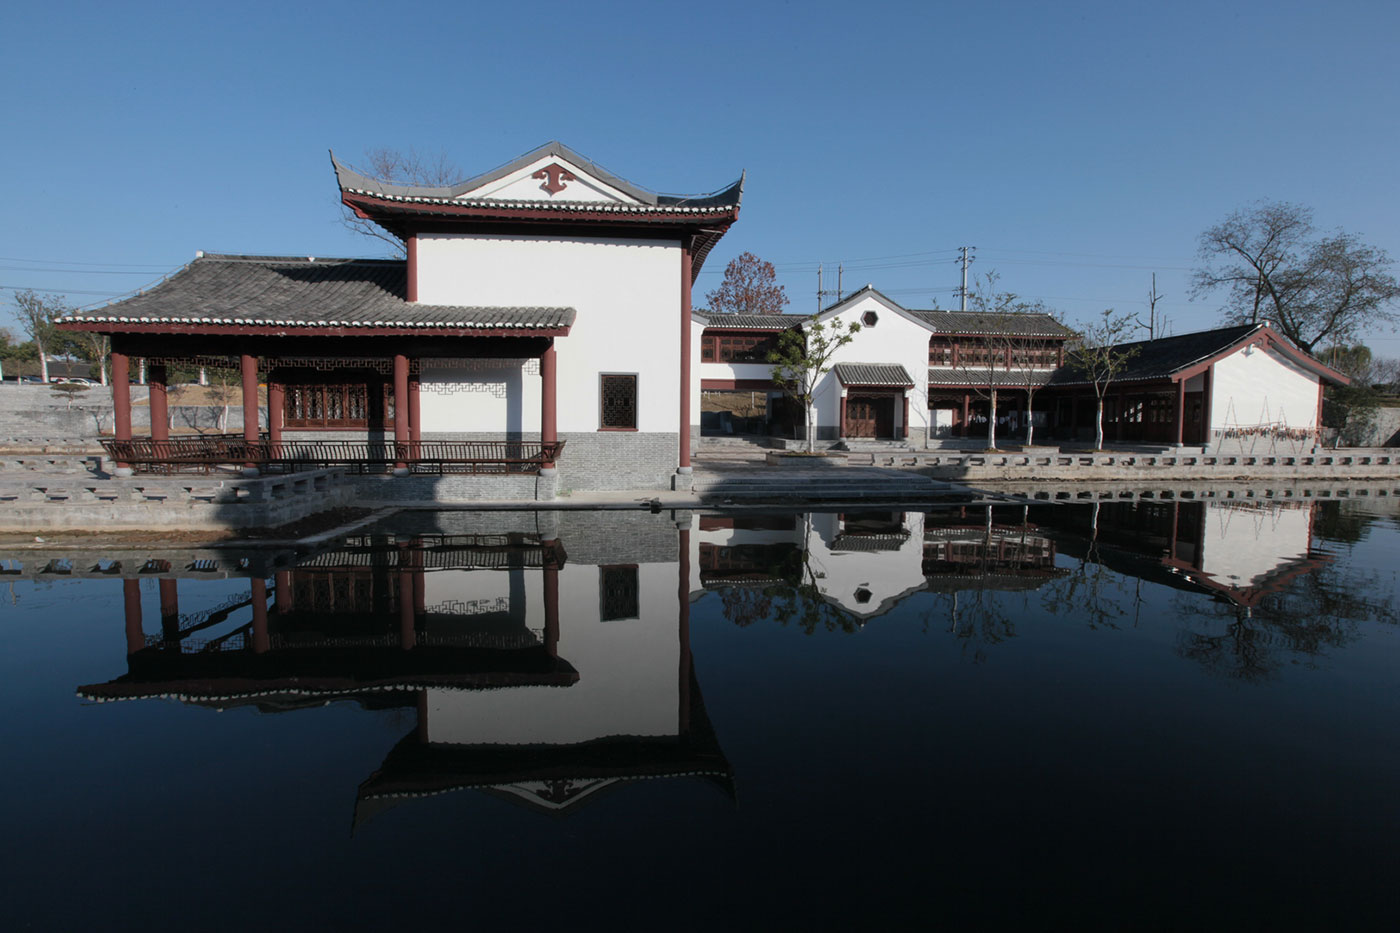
(1078, 146)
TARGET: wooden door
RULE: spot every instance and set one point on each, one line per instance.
(868, 416)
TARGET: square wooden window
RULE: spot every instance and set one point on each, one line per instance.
(618, 593)
(617, 402)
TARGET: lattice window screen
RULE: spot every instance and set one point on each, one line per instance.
(619, 401)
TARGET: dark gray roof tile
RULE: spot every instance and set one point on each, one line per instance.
(284, 291)
(873, 374)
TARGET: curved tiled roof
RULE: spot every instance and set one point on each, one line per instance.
(873, 374)
(722, 201)
(216, 291)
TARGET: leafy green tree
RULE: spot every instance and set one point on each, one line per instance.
(803, 356)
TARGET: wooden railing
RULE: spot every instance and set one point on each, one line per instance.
(203, 453)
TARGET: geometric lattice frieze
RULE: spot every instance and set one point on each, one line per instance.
(494, 389)
(470, 607)
(528, 365)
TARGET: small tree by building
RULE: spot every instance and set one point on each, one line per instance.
(803, 356)
(68, 390)
(400, 167)
(1099, 356)
(750, 286)
(37, 314)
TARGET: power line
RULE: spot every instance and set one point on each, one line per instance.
(74, 262)
(78, 271)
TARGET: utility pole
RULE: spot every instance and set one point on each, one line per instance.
(822, 293)
(969, 256)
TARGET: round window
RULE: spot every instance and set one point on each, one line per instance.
(870, 319)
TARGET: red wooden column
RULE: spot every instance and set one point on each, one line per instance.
(415, 414)
(1180, 410)
(262, 640)
(905, 434)
(967, 412)
(121, 404)
(401, 412)
(549, 399)
(160, 411)
(686, 265)
(248, 364)
(1206, 388)
(276, 409)
(841, 432)
(131, 601)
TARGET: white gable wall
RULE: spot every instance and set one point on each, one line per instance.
(627, 296)
(1257, 386)
(894, 339)
(520, 185)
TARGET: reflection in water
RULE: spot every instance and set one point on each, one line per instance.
(1273, 591)
(547, 671)
(532, 676)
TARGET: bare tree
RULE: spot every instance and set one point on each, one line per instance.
(1100, 357)
(400, 167)
(1152, 325)
(98, 348)
(996, 355)
(37, 314)
(1272, 264)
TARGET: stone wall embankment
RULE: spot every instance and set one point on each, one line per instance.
(1134, 468)
(177, 503)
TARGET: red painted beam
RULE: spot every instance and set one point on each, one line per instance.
(260, 330)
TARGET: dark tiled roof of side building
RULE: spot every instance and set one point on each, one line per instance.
(717, 321)
(977, 322)
(284, 291)
(1158, 359)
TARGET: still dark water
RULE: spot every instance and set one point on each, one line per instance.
(1171, 715)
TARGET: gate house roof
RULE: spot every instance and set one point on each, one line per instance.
(215, 293)
(873, 374)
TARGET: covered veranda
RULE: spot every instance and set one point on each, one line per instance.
(342, 356)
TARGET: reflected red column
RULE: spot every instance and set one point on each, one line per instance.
(131, 600)
(283, 596)
(408, 635)
(160, 411)
(262, 641)
(683, 608)
(169, 609)
(551, 606)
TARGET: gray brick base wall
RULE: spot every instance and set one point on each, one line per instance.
(618, 460)
(423, 489)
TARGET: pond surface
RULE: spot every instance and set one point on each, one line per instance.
(1150, 715)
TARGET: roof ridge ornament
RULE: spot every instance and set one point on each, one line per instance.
(555, 176)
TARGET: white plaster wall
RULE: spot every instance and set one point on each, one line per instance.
(1244, 543)
(628, 669)
(1256, 386)
(626, 293)
(894, 339)
(495, 395)
(697, 330)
